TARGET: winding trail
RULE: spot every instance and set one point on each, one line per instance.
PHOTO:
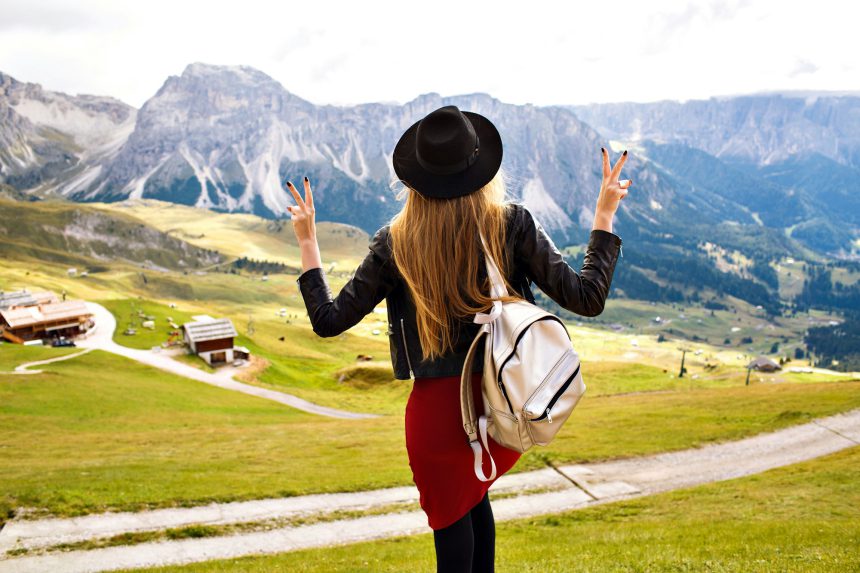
(547, 491)
(101, 338)
(25, 367)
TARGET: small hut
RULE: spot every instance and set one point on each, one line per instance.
(212, 340)
(764, 364)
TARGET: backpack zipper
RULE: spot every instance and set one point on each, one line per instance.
(406, 349)
(555, 398)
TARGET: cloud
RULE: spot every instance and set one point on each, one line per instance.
(54, 16)
(386, 50)
(801, 67)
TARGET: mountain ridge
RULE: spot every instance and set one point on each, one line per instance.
(228, 137)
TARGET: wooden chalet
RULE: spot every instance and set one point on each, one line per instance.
(46, 320)
(212, 340)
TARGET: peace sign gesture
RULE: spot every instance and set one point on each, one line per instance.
(303, 213)
(612, 191)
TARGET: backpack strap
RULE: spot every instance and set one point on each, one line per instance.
(497, 284)
(478, 427)
(475, 427)
(476, 449)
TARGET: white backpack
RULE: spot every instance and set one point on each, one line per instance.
(531, 380)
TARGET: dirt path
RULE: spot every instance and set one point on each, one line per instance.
(25, 367)
(102, 339)
(542, 492)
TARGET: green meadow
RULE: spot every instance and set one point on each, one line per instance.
(11, 355)
(100, 432)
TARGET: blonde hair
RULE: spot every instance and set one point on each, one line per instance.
(435, 246)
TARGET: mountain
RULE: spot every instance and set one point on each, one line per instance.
(791, 158)
(757, 129)
(53, 142)
(765, 176)
(227, 138)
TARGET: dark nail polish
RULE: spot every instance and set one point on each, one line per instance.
(289, 184)
(602, 150)
(625, 152)
(306, 179)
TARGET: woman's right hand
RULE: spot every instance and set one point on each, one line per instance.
(612, 191)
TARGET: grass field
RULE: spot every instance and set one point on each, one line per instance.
(11, 355)
(801, 517)
(100, 432)
(244, 235)
(126, 312)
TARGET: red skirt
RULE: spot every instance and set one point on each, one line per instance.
(439, 454)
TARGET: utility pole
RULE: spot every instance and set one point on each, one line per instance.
(683, 355)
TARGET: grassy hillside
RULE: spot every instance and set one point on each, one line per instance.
(243, 235)
(79, 235)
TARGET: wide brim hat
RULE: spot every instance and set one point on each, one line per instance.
(449, 153)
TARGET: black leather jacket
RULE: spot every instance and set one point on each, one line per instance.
(535, 259)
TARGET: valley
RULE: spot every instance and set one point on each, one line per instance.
(175, 213)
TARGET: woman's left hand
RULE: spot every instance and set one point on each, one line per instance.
(304, 224)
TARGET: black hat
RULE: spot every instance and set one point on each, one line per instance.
(449, 153)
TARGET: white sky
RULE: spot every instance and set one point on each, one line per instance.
(362, 51)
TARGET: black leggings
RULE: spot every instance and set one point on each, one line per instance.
(469, 544)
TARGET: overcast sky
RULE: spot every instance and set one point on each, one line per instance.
(520, 52)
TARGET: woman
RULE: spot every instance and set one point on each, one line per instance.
(427, 263)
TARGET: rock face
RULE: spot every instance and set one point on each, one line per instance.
(228, 138)
(758, 129)
(51, 141)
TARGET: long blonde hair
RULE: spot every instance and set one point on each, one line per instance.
(435, 245)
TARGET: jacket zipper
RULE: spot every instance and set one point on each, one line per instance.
(555, 398)
(406, 349)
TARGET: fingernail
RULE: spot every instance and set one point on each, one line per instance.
(602, 150)
(625, 152)
(306, 179)
(289, 184)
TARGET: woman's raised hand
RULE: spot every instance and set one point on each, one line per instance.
(303, 213)
(612, 191)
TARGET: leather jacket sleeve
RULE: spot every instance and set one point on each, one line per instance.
(372, 282)
(584, 293)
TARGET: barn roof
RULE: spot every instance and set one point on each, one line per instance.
(25, 298)
(16, 298)
(762, 361)
(210, 330)
(50, 312)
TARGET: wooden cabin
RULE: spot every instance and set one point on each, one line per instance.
(764, 364)
(68, 318)
(212, 340)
